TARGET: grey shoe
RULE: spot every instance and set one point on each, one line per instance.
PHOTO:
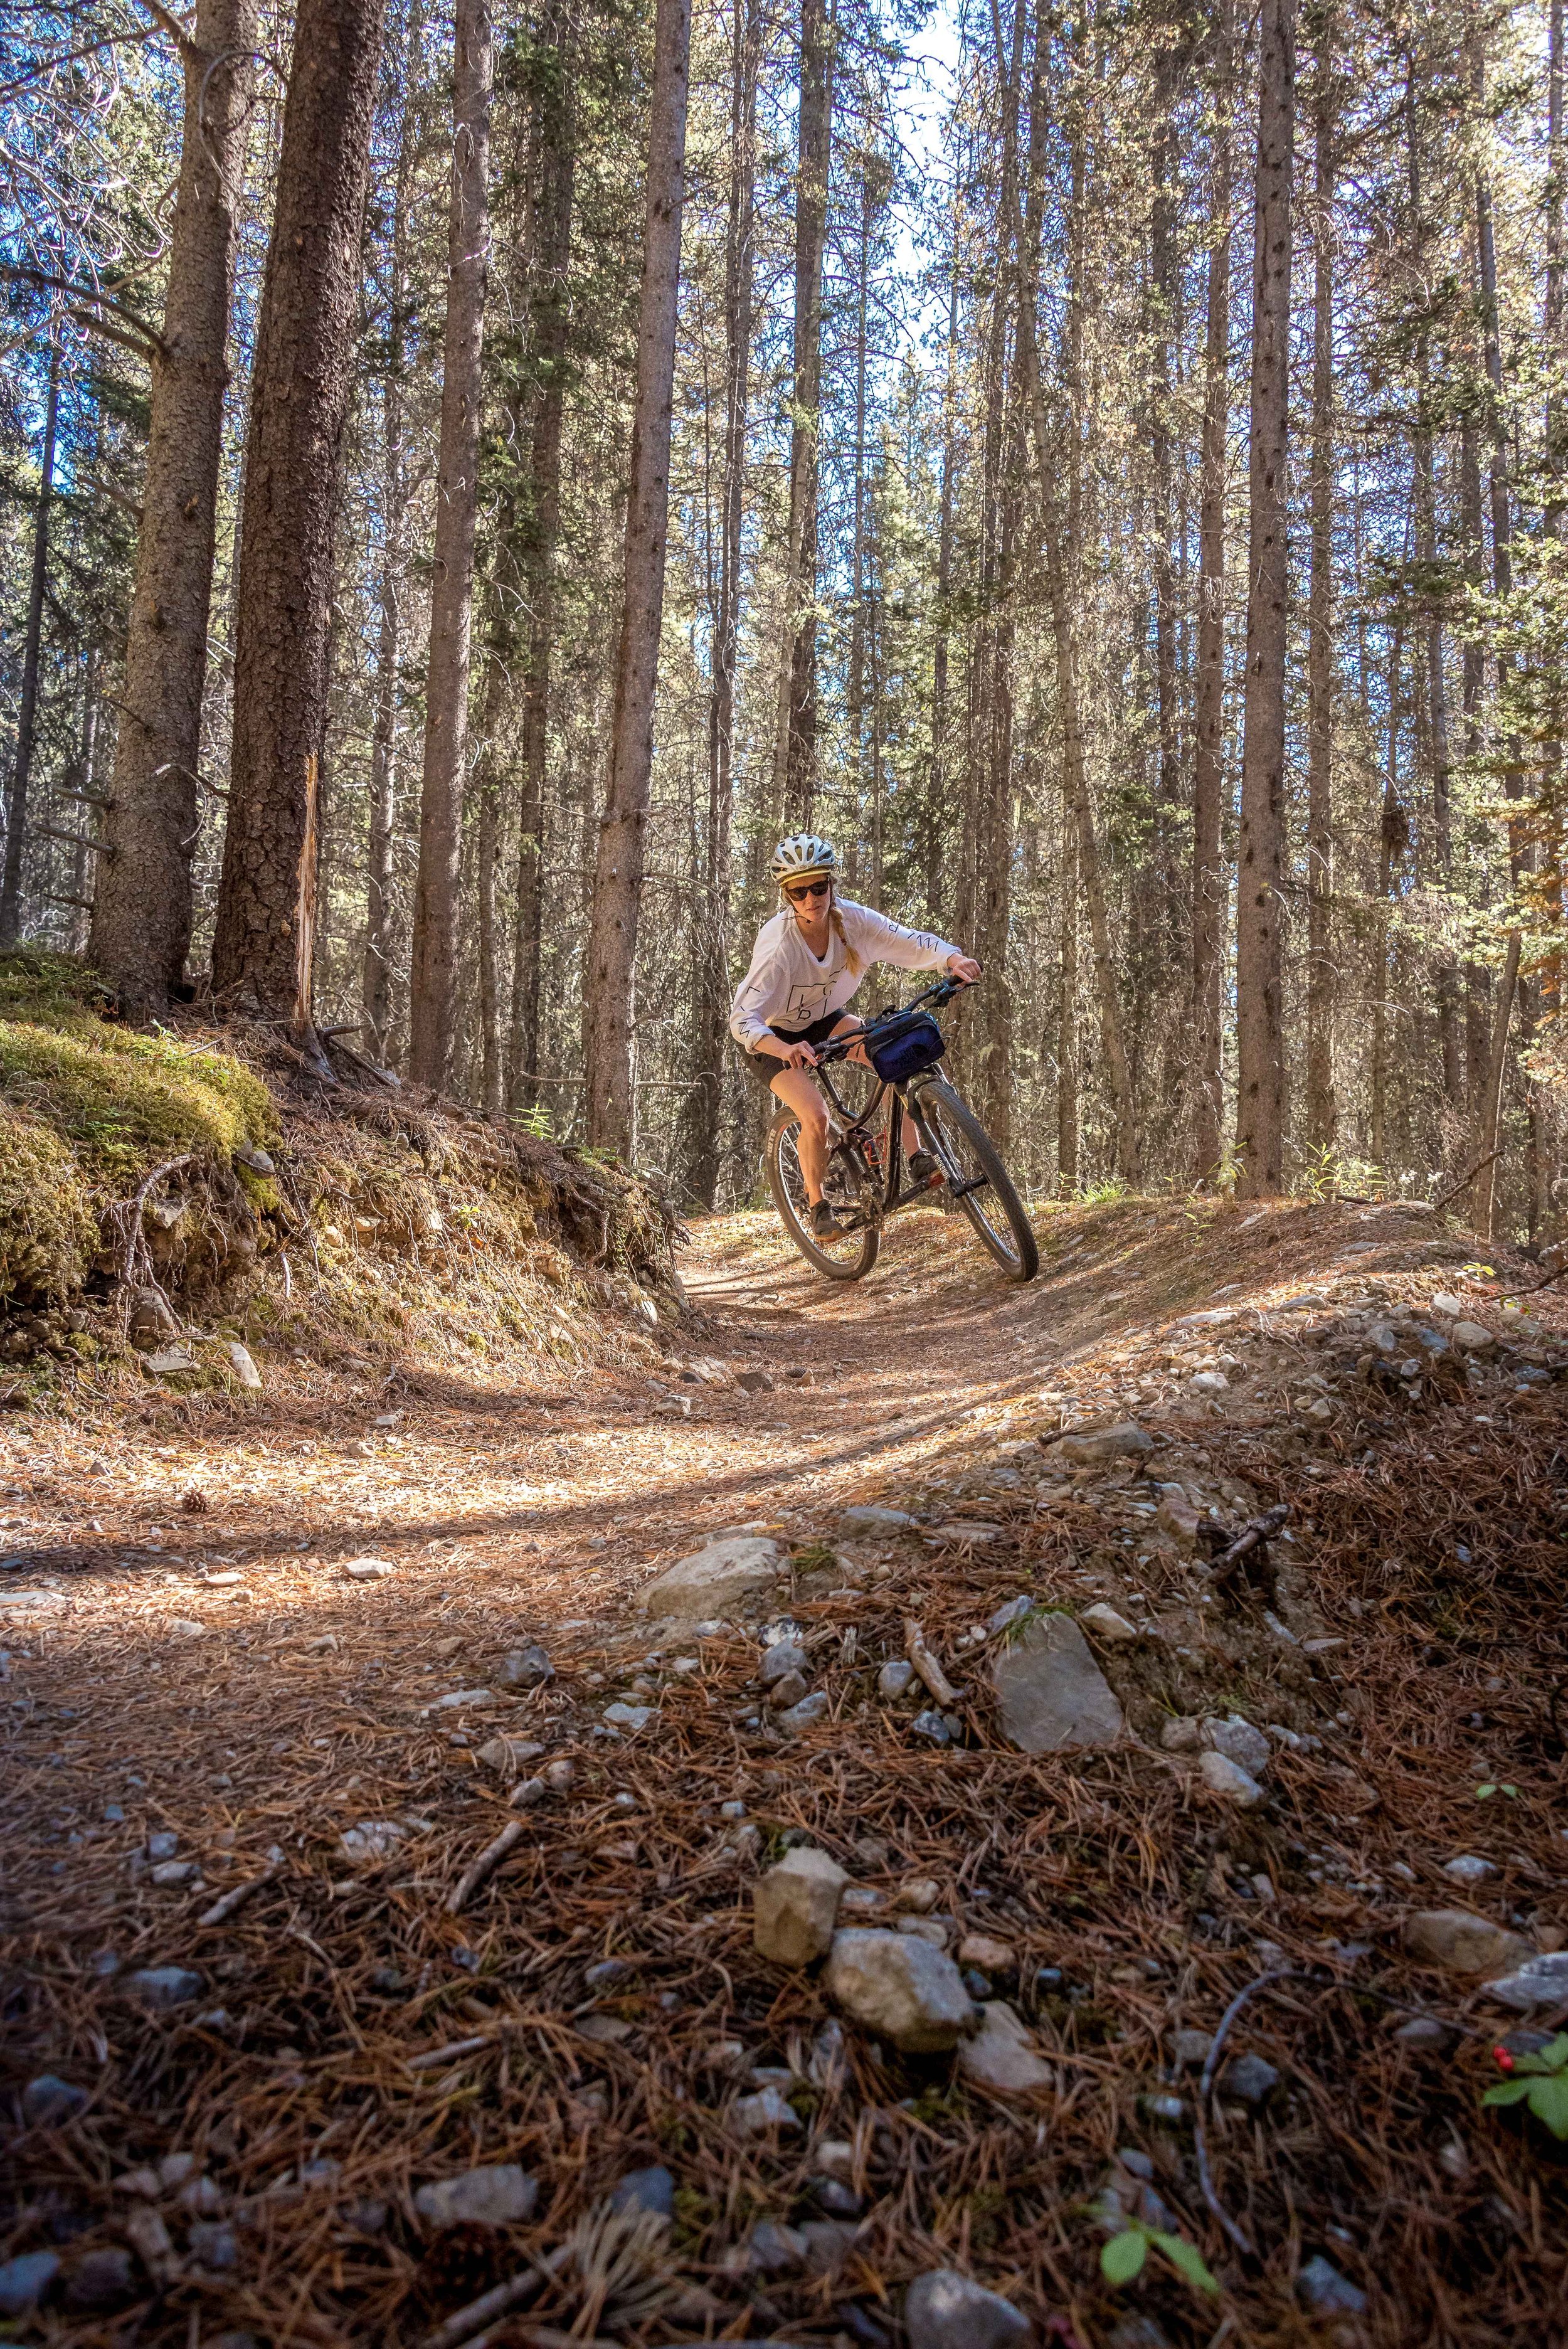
(922, 1166)
(825, 1224)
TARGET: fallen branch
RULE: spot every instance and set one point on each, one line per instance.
(466, 2322)
(490, 1859)
(927, 1665)
(1205, 2087)
(1467, 1178)
(222, 1910)
(448, 2054)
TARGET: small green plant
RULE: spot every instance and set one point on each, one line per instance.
(1124, 2256)
(814, 1558)
(1540, 2081)
(1484, 1793)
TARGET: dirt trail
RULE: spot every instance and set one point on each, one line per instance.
(196, 1661)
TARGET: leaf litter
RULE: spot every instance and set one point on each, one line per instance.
(594, 2007)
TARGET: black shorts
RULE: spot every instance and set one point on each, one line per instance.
(764, 1068)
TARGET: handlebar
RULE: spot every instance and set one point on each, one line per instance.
(837, 1048)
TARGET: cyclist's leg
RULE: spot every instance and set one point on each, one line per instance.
(796, 1088)
(845, 1026)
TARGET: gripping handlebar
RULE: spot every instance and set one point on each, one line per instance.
(943, 991)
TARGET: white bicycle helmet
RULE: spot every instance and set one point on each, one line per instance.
(802, 854)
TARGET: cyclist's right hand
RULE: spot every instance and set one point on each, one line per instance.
(800, 1056)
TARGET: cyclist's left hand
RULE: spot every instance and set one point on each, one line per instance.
(964, 967)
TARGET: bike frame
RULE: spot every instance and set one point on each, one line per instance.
(857, 1129)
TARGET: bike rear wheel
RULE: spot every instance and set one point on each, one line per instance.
(993, 1206)
(852, 1255)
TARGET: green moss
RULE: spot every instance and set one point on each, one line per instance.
(126, 1100)
(48, 1232)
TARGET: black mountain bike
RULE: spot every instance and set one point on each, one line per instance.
(864, 1182)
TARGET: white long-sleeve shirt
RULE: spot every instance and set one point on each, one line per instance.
(788, 988)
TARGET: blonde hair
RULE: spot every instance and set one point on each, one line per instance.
(852, 962)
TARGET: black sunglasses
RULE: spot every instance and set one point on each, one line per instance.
(812, 889)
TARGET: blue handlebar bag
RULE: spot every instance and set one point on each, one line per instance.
(899, 1049)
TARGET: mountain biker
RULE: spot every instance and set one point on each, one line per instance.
(809, 959)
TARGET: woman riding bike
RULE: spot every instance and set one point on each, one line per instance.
(808, 962)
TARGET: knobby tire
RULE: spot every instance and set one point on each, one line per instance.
(946, 1111)
(860, 1249)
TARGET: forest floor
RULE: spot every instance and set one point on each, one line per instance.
(192, 1659)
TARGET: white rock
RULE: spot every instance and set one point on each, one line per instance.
(1003, 2056)
(716, 1580)
(459, 1700)
(170, 1360)
(1211, 1382)
(1443, 1303)
(894, 1679)
(795, 1907)
(1230, 1781)
(900, 1987)
(370, 1840)
(1108, 1625)
(497, 2196)
(508, 1755)
(1540, 1981)
(1472, 1338)
(867, 1519)
(367, 1569)
(630, 1717)
(1468, 1869)
(243, 1365)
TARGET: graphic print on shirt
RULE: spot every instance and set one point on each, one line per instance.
(806, 1004)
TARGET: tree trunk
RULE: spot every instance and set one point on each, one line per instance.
(712, 1005)
(531, 528)
(487, 850)
(1321, 1119)
(32, 646)
(1483, 1210)
(795, 749)
(1260, 958)
(375, 982)
(262, 949)
(609, 1097)
(432, 994)
(87, 796)
(1210, 886)
(142, 914)
(1392, 834)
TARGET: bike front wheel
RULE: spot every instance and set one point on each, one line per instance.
(853, 1253)
(985, 1187)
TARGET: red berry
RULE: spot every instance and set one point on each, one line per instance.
(1503, 2059)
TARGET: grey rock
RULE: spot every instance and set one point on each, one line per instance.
(1540, 1981)
(1326, 2292)
(1097, 1447)
(714, 1580)
(49, 2102)
(934, 1929)
(894, 1679)
(1462, 1943)
(1003, 2056)
(801, 1716)
(1137, 2332)
(495, 2196)
(829, 2242)
(100, 2279)
(1424, 2031)
(838, 2200)
(652, 2190)
(508, 1756)
(630, 1717)
(1108, 1625)
(774, 2250)
(1238, 1741)
(1190, 2049)
(1250, 2080)
(754, 1381)
(167, 1362)
(932, 1726)
(750, 2116)
(1471, 1337)
(1011, 1611)
(369, 1840)
(1468, 1868)
(163, 1846)
(25, 2281)
(1050, 1692)
(1229, 1781)
(867, 1519)
(527, 1668)
(788, 1692)
(900, 1987)
(795, 1907)
(151, 1320)
(1179, 1736)
(214, 2245)
(945, 2310)
(784, 1658)
(163, 1987)
(169, 1873)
